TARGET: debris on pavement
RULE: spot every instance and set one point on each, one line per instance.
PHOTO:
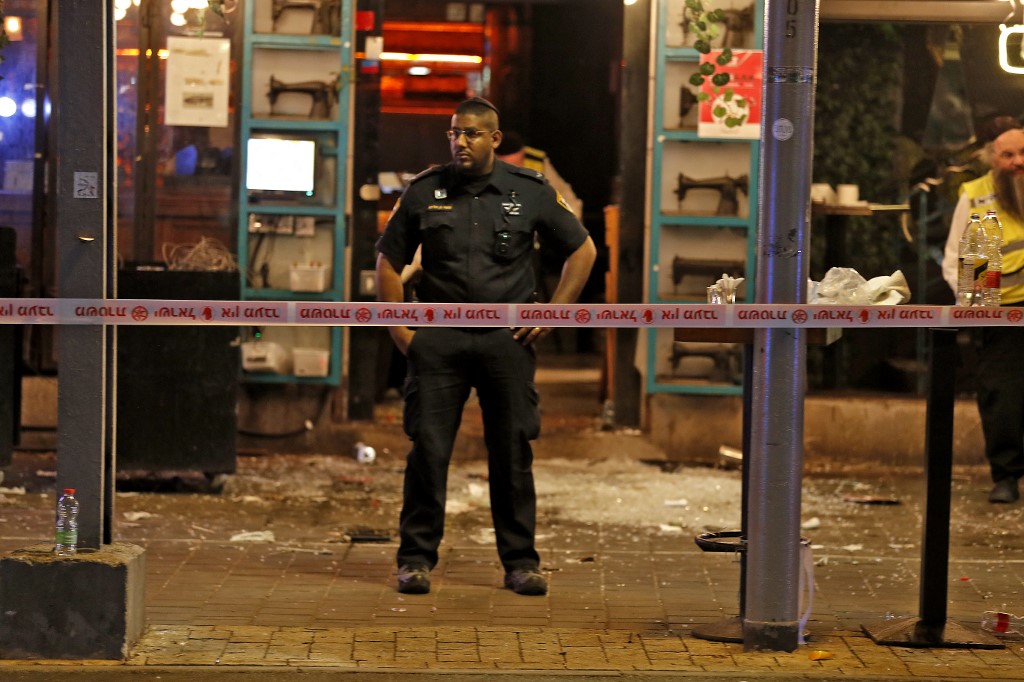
(254, 536)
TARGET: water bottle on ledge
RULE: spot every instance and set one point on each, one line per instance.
(994, 271)
(66, 540)
(972, 255)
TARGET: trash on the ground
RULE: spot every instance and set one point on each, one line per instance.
(1002, 623)
(586, 560)
(871, 499)
(853, 548)
(138, 515)
(456, 507)
(476, 490)
(17, 490)
(681, 502)
(201, 529)
(253, 499)
(254, 536)
(483, 536)
(364, 453)
(669, 528)
(819, 655)
(730, 457)
(811, 523)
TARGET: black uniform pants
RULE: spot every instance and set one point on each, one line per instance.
(444, 364)
(1001, 399)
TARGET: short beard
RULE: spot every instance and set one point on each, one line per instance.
(1010, 192)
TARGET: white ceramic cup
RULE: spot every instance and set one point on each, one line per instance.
(847, 195)
(822, 193)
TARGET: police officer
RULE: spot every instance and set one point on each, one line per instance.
(475, 219)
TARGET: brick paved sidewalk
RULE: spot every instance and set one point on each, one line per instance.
(624, 598)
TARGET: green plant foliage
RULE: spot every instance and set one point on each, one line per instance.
(855, 135)
(855, 141)
(706, 25)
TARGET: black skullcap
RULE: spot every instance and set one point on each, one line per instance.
(991, 128)
(511, 142)
(480, 101)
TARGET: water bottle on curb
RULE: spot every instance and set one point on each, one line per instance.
(972, 255)
(66, 543)
(1002, 623)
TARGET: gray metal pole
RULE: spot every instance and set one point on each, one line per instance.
(84, 222)
(779, 373)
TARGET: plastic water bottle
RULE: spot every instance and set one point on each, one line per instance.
(994, 274)
(1002, 623)
(972, 255)
(67, 524)
(994, 270)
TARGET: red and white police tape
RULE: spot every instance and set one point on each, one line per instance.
(358, 314)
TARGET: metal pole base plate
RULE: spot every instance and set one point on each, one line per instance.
(913, 632)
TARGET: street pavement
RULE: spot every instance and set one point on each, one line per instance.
(286, 568)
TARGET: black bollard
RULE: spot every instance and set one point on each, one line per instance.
(931, 628)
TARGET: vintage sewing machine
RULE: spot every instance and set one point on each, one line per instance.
(726, 359)
(687, 100)
(322, 94)
(726, 186)
(704, 269)
(326, 14)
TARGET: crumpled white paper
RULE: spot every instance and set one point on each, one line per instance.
(846, 286)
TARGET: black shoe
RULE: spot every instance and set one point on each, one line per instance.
(413, 579)
(1004, 491)
(526, 581)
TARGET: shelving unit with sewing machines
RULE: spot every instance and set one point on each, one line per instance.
(704, 164)
(294, 126)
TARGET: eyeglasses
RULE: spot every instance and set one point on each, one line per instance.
(472, 134)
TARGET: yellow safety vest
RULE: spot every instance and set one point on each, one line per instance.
(982, 194)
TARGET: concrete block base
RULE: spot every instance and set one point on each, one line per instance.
(89, 606)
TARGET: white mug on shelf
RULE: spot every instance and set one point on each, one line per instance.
(847, 195)
(822, 193)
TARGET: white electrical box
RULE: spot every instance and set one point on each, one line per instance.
(264, 356)
(311, 362)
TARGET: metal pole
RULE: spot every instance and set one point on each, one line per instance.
(635, 73)
(84, 234)
(779, 371)
(938, 448)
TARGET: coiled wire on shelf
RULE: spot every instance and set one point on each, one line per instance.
(208, 255)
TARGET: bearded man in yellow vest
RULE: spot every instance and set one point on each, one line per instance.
(1000, 381)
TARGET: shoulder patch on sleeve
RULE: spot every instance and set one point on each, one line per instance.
(527, 173)
(563, 203)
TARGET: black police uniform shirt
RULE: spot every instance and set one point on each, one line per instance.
(477, 233)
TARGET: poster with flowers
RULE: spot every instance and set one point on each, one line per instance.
(729, 98)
